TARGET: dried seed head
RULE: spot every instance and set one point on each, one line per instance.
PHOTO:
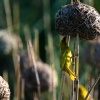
(4, 90)
(8, 43)
(45, 73)
(91, 54)
(78, 18)
(45, 76)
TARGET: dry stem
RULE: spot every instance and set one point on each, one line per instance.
(77, 64)
(92, 87)
(32, 58)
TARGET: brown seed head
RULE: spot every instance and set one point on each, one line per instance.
(78, 18)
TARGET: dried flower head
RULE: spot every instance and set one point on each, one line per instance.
(78, 18)
(9, 42)
(91, 54)
(4, 90)
(45, 76)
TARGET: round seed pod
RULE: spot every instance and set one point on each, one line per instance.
(8, 43)
(4, 90)
(91, 54)
(78, 18)
(45, 75)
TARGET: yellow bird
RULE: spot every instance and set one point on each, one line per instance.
(66, 58)
(83, 92)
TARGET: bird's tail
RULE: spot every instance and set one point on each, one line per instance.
(71, 74)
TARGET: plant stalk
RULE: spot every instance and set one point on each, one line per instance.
(77, 64)
(32, 58)
(73, 69)
(72, 2)
(8, 16)
(36, 41)
(98, 78)
(14, 53)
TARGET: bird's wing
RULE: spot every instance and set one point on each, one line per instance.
(63, 58)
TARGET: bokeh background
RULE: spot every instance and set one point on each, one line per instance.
(37, 18)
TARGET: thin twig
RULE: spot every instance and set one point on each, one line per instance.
(35, 68)
(98, 78)
(46, 16)
(16, 16)
(62, 85)
(36, 41)
(14, 53)
(8, 16)
(77, 64)
(72, 96)
(72, 2)
(22, 89)
(18, 79)
(73, 69)
(54, 88)
(51, 61)
(30, 49)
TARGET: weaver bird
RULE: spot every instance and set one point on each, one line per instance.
(66, 58)
(83, 92)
